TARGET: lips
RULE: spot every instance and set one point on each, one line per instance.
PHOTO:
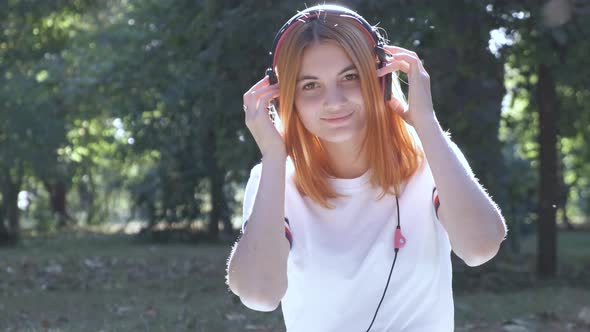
(338, 117)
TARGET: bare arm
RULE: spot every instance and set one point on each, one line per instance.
(473, 221)
(257, 269)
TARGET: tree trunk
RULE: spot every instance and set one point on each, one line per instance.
(549, 185)
(12, 210)
(10, 189)
(219, 204)
(5, 236)
(58, 202)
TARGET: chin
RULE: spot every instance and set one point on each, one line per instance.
(348, 134)
(339, 137)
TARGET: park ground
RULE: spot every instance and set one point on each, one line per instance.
(90, 281)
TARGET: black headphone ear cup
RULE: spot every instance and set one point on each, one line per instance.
(272, 77)
(386, 81)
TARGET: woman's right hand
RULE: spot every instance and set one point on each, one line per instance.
(256, 101)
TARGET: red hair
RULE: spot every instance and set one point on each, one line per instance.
(392, 151)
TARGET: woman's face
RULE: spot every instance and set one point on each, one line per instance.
(328, 95)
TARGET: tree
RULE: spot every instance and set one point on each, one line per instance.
(547, 53)
(34, 123)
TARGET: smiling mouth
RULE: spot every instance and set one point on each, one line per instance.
(339, 118)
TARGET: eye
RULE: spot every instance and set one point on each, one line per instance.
(351, 77)
(309, 86)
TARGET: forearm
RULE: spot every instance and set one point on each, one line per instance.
(258, 266)
(473, 221)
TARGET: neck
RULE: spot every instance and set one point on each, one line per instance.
(348, 160)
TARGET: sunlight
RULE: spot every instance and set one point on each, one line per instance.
(498, 39)
(23, 200)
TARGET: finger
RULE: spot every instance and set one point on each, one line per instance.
(261, 107)
(262, 90)
(263, 82)
(265, 98)
(393, 50)
(419, 62)
(414, 62)
(393, 65)
(397, 106)
(399, 110)
(250, 96)
(396, 50)
(253, 97)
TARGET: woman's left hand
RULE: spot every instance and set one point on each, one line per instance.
(419, 96)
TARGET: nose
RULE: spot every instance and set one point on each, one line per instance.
(334, 97)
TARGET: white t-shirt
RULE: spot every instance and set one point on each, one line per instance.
(340, 258)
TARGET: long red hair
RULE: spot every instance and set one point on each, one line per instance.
(393, 152)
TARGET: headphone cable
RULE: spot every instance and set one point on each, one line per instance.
(390, 271)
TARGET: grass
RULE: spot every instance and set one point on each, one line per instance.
(515, 292)
(485, 307)
(96, 282)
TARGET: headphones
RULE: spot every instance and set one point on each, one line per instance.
(316, 12)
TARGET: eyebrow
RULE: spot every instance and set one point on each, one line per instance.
(308, 77)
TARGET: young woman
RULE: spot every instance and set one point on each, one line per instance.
(342, 221)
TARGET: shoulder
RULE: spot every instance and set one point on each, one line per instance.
(256, 171)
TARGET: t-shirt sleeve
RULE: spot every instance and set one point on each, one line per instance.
(250, 194)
